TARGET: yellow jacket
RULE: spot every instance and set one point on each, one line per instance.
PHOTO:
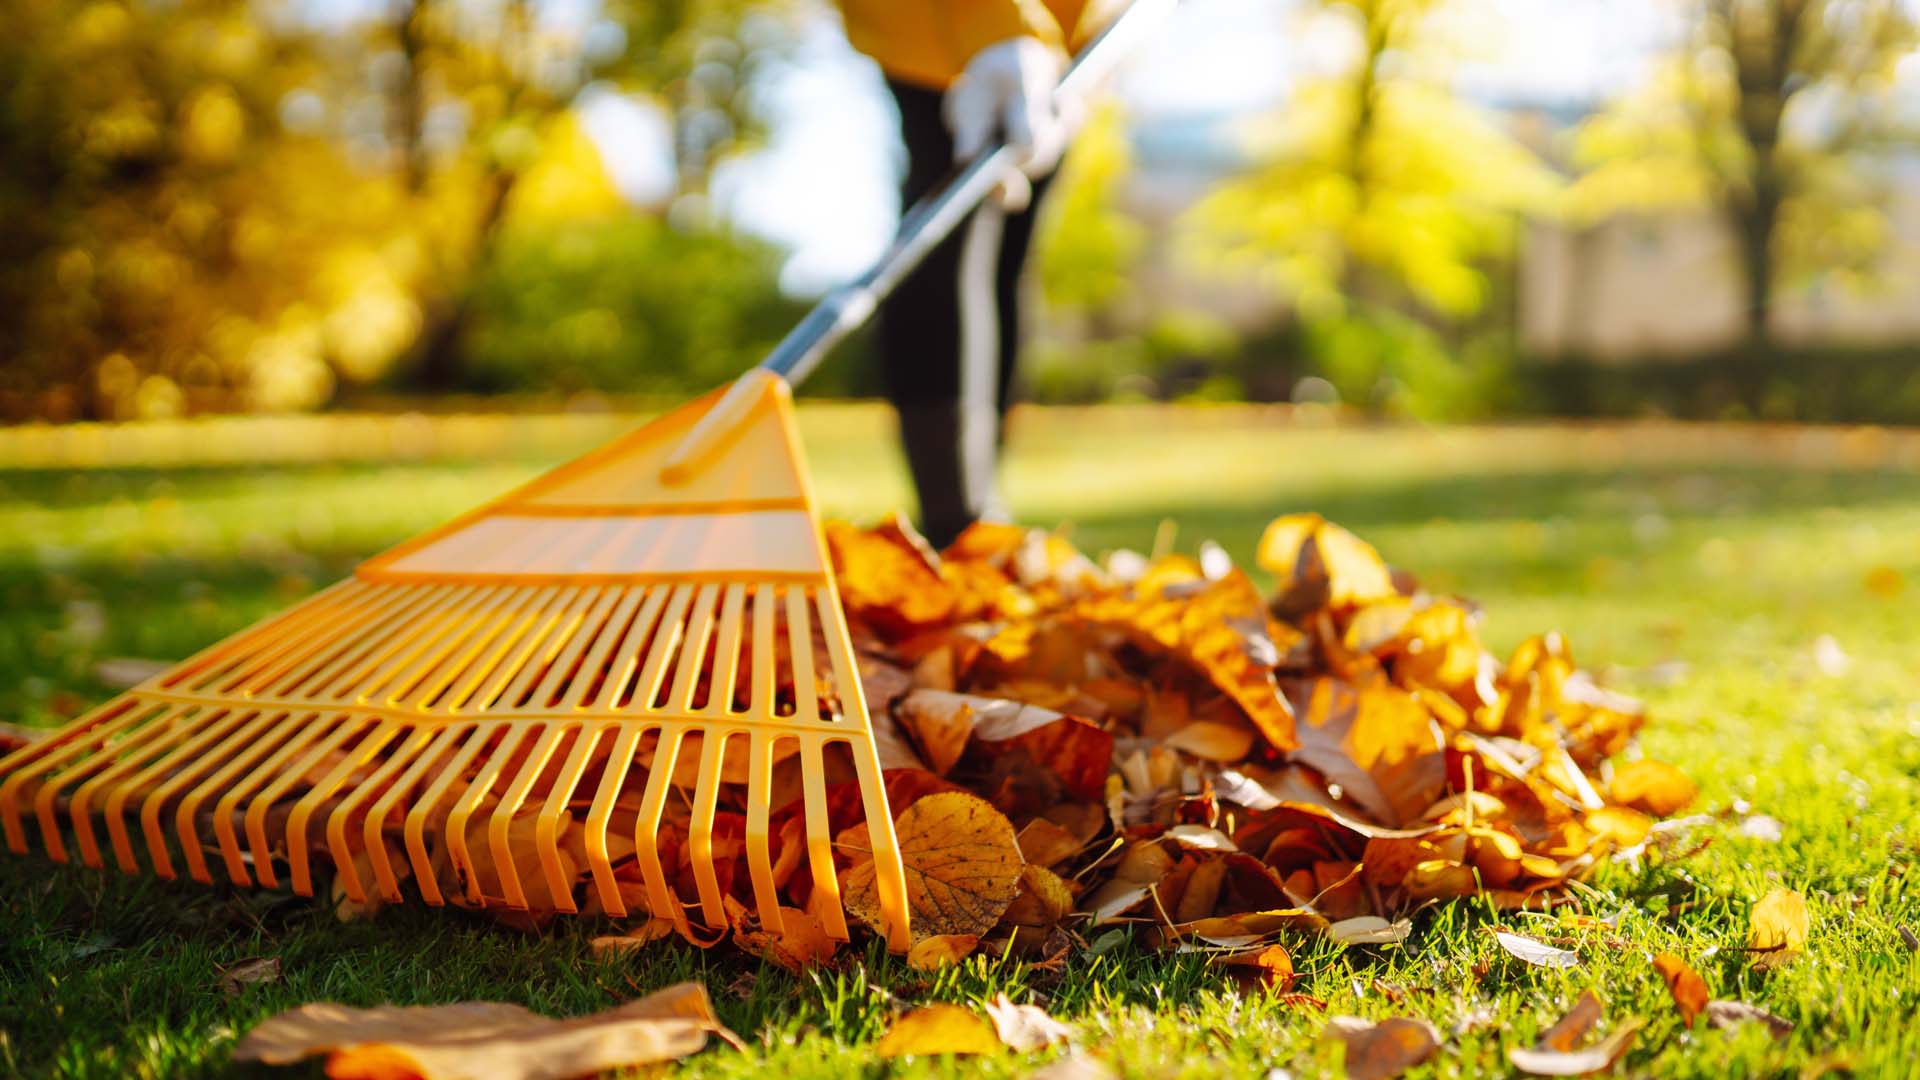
(928, 42)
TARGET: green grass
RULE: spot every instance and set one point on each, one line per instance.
(1694, 566)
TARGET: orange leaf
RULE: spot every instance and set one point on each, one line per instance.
(1689, 990)
(962, 867)
(938, 1029)
(1652, 786)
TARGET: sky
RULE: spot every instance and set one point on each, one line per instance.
(824, 186)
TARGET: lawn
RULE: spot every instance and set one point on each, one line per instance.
(1753, 585)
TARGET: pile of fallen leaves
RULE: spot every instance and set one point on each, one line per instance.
(1068, 744)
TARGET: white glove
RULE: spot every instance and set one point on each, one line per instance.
(1007, 88)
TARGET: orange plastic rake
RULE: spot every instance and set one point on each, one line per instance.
(532, 650)
(519, 694)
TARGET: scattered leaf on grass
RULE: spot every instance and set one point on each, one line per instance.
(1558, 1053)
(962, 867)
(1777, 928)
(250, 972)
(801, 942)
(1912, 939)
(1653, 786)
(1728, 1015)
(1369, 930)
(1537, 953)
(635, 937)
(940, 950)
(491, 1040)
(1689, 990)
(1025, 1027)
(1387, 1048)
(938, 1029)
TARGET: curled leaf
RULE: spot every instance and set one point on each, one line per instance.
(1728, 1015)
(486, 1039)
(1537, 953)
(1025, 1027)
(940, 951)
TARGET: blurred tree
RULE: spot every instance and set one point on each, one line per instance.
(234, 203)
(1375, 188)
(1771, 112)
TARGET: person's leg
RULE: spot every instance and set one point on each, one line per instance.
(959, 299)
(919, 337)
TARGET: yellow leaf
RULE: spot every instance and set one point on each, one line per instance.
(962, 867)
(938, 1029)
(940, 950)
(1653, 786)
(1778, 925)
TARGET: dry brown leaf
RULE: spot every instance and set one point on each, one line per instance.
(962, 867)
(1728, 1015)
(646, 933)
(800, 943)
(1044, 898)
(250, 972)
(1557, 1051)
(938, 1029)
(490, 1040)
(1777, 927)
(1387, 1048)
(1369, 930)
(1688, 989)
(1271, 966)
(940, 951)
(1539, 1061)
(1045, 843)
(1025, 1028)
(1537, 953)
(1211, 741)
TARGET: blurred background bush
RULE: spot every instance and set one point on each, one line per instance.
(1429, 208)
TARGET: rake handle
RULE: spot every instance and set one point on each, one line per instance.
(928, 222)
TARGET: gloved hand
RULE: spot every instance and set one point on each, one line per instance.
(1008, 88)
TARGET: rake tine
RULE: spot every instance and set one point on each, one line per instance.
(308, 731)
(553, 692)
(247, 735)
(279, 728)
(337, 821)
(500, 822)
(302, 637)
(713, 748)
(463, 809)
(149, 742)
(619, 760)
(52, 754)
(375, 822)
(583, 619)
(693, 651)
(449, 649)
(415, 829)
(256, 818)
(628, 632)
(646, 833)
(661, 645)
(819, 841)
(312, 672)
(759, 859)
(546, 827)
(115, 808)
(806, 695)
(725, 672)
(888, 872)
(507, 655)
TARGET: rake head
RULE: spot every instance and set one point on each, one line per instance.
(601, 684)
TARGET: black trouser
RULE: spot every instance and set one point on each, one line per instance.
(921, 336)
